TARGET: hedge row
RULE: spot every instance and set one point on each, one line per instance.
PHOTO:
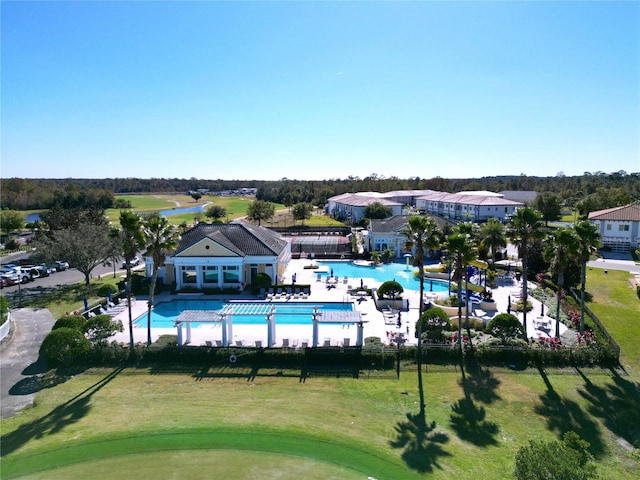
(335, 358)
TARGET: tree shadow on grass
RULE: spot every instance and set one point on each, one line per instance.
(422, 444)
(617, 404)
(564, 415)
(57, 419)
(467, 419)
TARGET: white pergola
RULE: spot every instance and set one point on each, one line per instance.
(270, 313)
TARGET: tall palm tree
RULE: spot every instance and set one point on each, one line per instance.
(132, 240)
(461, 250)
(524, 229)
(492, 236)
(588, 242)
(160, 238)
(560, 251)
(421, 234)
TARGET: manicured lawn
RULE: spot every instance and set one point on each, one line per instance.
(473, 427)
(615, 302)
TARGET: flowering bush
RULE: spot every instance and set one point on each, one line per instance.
(587, 338)
(540, 278)
(551, 343)
(574, 317)
(466, 340)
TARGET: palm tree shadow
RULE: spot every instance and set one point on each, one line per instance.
(564, 415)
(617, 404)
(53, 422)
(480, 383)
(422, 444)
(468, 419)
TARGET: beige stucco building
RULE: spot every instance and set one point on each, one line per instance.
(224, 256)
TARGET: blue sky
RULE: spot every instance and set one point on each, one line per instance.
(319, 90)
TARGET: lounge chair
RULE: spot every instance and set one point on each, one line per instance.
(208, 343)
(262, 294)
(305, 343)
(345, 280)
(218, 343)
(279, 293)
(238, 343)
(346, 342)
(285, 343)
(258, 343)
(327, 342)
(296, 293)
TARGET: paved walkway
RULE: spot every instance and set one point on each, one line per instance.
(18, 357)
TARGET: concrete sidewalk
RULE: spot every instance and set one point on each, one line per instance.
(18, 356)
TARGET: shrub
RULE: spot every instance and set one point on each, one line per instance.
(103, 290)
(64, 346)
(390, 289)
(101, 327)
(76, 322)
(4, 309)
(433, 324)
(261, 280)
(12, 245)
(474, 323)
(505, 326)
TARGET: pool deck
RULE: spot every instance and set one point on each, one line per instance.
(336, 334)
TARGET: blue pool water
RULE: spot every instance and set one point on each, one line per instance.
(290, 313)
(382, 273)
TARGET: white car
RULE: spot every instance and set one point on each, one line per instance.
(135, 261)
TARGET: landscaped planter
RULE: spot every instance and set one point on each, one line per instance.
(451, 311)
(488, 306)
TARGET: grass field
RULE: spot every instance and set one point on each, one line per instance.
(236, 423)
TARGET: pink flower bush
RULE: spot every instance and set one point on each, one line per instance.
(586, 339)
(551, 343)
(574, 317)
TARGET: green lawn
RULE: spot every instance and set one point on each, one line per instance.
(160, 421)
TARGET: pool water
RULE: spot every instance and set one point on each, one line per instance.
(164, 314)
(382, 273)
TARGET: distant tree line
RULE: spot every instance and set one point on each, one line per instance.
(596, 190)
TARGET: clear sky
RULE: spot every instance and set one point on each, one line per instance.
(319, 90)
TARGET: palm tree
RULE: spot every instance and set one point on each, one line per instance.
(589, 241)
(160, 238)
(524, 229)
(421, 234)
(560, 252)
(492, 236)
(461, 250)
(132, 239)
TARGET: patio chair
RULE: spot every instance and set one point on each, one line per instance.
(238, 343)
(262, 294)
(345, 280)
(218, 343)
(304, 344)
(285, 343)
(327, 342)
(258, 343)
(346, 342)
(208, 343)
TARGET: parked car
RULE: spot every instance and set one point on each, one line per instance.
(135, 261)
(61, 266)
(8, 279)
(22, 276)
(43, 270)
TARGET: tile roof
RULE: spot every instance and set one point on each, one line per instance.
(626, 213)
(398, 222)
(240, 237)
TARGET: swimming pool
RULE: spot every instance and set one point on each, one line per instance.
(382, 273)
(164, 314)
